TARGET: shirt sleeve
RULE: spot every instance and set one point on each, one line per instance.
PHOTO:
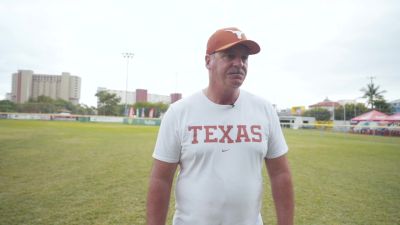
(276, 144)
(168, 144)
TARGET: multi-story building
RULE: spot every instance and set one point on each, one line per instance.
(396, 105)
(159, 98)
(175, 97)
(27, 85)
(142, 95)
(128, 97)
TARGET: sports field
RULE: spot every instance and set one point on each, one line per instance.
(95, 173)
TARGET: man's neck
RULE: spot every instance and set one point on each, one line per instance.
(222, 97)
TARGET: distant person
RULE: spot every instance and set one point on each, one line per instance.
(220, 137)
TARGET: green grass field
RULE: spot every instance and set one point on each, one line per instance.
(95, 173)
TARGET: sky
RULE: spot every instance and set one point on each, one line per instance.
(310, 49)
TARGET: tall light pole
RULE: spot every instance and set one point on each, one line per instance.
(127, 56)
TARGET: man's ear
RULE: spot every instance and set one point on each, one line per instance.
(207, 60)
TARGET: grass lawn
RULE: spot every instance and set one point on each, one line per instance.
(95, 173)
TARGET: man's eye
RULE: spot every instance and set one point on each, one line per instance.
(244, 58)
(230, 56)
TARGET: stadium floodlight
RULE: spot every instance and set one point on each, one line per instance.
(127, 56)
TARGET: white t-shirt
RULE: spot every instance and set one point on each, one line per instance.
(221, 151)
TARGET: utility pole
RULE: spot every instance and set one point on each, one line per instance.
(127, 56)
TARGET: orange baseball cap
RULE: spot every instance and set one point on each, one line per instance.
(228, 37)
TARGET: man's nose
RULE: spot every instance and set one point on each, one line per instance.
(238, 61)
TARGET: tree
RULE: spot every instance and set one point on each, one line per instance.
(382, 106)
(108, 103)
(372, 94)
(65, 106)
(158, 107)
(45, 104)
(42, 99)
(7, 106)
(41, 104)
(320, 114)
(352, 110)
(161, 107)
(83, 109)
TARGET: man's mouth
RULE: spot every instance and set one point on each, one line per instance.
(236, 73)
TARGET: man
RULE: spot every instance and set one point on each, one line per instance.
(219, 138)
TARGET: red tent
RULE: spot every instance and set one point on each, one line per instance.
(371, 116)
(394, 117)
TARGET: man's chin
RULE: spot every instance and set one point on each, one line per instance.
(237, 83)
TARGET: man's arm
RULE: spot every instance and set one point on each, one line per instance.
(282, 189)
(161, 178)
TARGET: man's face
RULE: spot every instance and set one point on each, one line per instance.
(228, 68)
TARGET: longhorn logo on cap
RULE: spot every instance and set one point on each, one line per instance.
(237, 32)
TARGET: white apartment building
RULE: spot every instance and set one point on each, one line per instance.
(133, 96)
(130, 95)
(26, 85)
(159, 98)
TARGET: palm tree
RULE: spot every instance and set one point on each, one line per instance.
(372, 94)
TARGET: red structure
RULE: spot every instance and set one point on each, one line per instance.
(175, 97)
(141, 95)
(371, 116)
(325, 104)
(394, 117)
(377, 123)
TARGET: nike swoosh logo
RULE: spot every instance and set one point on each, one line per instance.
(225, 150)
